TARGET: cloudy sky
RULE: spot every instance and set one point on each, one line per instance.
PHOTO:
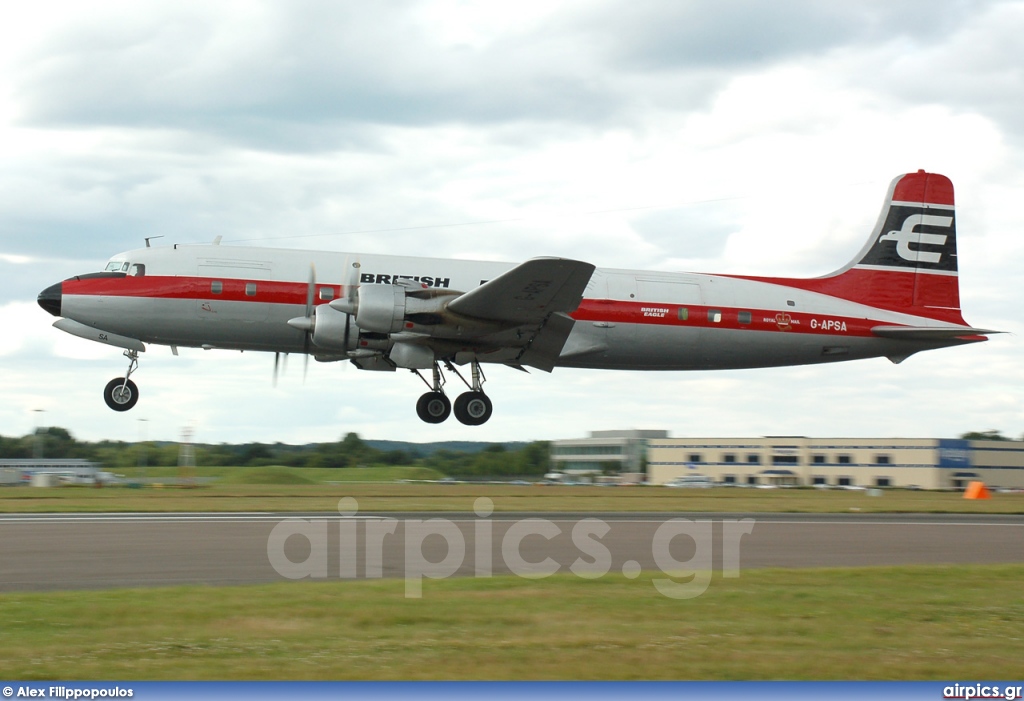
(737, 136)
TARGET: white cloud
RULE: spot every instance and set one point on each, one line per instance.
(627, 134)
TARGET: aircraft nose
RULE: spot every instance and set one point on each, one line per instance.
(50, 298)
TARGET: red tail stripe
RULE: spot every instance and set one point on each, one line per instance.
(930, 188)
(884, 289)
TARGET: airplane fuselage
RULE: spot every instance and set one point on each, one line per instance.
(898, 296)
(242, 298)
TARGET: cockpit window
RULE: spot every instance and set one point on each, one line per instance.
(137, 270)
(116, 266)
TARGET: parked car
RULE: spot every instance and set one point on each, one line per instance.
(691, 481)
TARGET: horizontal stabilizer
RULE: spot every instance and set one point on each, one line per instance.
(929, 333)
(528, 293)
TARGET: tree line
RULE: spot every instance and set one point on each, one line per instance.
(493, 460)
(350, 451)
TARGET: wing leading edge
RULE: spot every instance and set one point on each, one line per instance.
(528, 293)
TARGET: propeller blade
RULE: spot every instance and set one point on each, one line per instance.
(353, 280)
(311, 290)
(277, 362)
(311, 320)
(352, 284)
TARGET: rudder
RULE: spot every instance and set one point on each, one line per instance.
(909, 263)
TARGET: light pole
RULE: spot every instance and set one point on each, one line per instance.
(142, 442)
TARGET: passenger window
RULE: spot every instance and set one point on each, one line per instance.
(715, 316)
(216, 287)
(684, 313)
(250, 289)
(327, 293)
(744, 317)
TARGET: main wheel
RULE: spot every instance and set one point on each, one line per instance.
(473, 408)
(433, 407)
(120, 395)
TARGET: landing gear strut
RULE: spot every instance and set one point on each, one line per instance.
(434, 407)
(471, 408)
(121, 394)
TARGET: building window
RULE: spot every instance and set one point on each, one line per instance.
(753, 459)
(818, 459)
(883, 482)
(744, 317)
(882, 460)
(684, 313)
(819, 480)
(785, 460)
(730, 457)
(845, 482)
(216, 287)
(694, 457)
(729, 479)
(751, 479)
(250, 289)
(843, 459)
(715, 316)
(327, 293)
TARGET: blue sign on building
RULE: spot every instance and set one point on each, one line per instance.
(955, 453)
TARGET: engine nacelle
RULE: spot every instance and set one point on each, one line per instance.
(334, 330)
(381, 308)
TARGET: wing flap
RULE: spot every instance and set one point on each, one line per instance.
(528, 293)
(546, 346)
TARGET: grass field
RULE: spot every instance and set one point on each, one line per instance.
(282, 489)
(869, 623)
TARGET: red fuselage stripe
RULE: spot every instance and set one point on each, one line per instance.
(592, 310)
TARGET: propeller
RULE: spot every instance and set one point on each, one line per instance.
(349, 303)
(307, 322)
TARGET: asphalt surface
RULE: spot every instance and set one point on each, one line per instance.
(86, 551)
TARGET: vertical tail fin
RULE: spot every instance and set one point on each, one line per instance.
(909, 264)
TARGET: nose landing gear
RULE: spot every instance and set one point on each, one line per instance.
(121, 394)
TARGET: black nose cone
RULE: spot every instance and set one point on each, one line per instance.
(49, 299)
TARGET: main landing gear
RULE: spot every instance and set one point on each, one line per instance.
(471, 408)
(121, 394)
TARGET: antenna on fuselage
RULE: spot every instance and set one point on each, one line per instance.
(150, 238)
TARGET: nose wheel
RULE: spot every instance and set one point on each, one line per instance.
(121, 394)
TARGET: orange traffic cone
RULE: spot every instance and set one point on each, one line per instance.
(977, 490)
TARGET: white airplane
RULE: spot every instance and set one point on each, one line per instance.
(898, 296)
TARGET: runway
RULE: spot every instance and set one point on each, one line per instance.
(86, 551)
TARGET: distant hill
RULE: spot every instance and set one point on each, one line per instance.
(421, 449)
(428, 449)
